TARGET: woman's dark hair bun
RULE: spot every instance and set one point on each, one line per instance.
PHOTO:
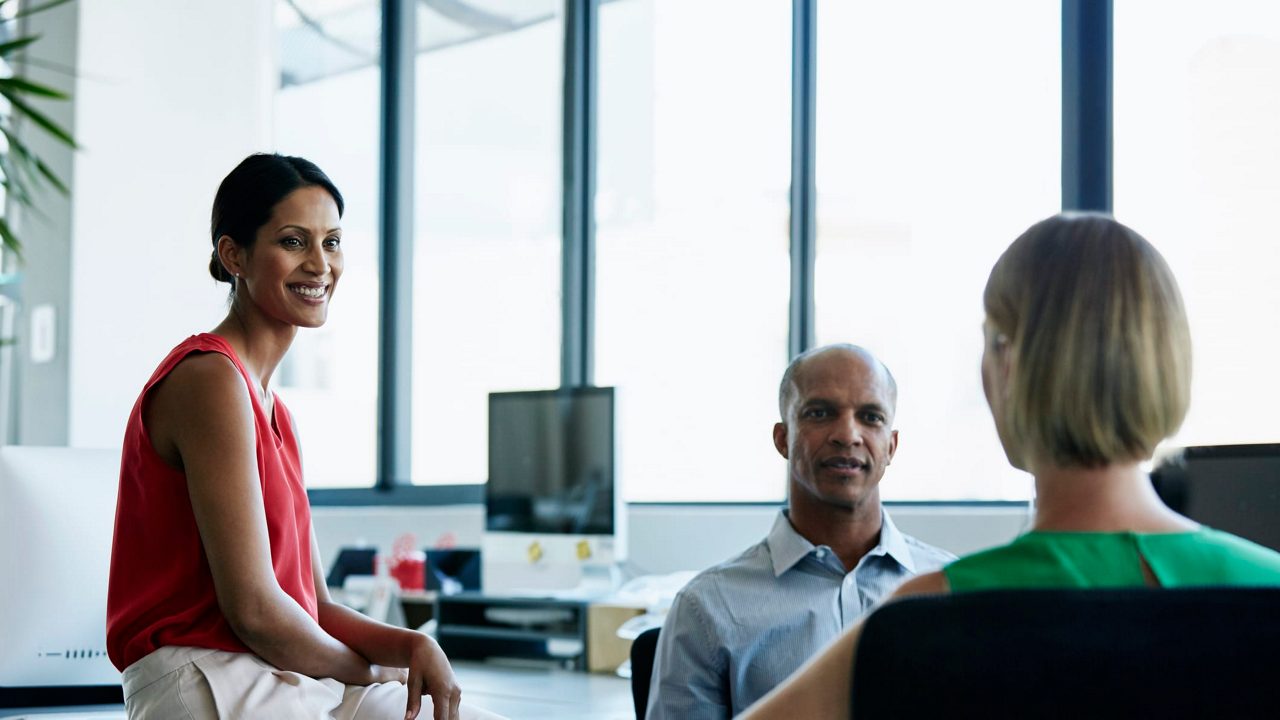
(216, 269)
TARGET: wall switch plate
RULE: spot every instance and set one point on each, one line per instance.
(44, 333)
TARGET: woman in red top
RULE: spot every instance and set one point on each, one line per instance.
(217, 605)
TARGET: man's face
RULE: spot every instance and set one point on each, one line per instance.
(838, 436)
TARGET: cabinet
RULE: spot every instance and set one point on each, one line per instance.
(474, 626)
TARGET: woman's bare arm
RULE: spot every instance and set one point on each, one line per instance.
(822, 687)
(201, 420)
(428, 670)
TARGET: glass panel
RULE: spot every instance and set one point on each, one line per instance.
(1197, 172)
(327, 110)
(939, 135)
(486, 309)
(692, 257)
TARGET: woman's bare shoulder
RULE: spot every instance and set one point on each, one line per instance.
(932, 583)
(202, 392)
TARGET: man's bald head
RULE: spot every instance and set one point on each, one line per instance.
(787, 388)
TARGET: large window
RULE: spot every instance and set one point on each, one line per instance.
(486, 282)
(327, 111)
(937, 137)
(1197, 172)
(935, 149)
(691, 273)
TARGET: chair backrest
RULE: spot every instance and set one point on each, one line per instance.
(1186, 653)
(643, 649)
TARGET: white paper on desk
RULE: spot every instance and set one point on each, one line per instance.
(655, 592)
(631, 629)
(377, 597)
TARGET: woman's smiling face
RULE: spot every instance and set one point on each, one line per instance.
(293, 267)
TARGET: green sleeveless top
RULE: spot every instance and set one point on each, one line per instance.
(1094, 560)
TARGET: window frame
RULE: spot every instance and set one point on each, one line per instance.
(1087, 34)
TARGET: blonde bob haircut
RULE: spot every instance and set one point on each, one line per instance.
(1099, 352)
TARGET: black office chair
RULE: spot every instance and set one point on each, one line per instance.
(643, 649)
(1140, 653)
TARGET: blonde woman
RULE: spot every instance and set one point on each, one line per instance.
(1086, 367)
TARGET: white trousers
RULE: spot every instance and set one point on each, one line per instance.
(187, 683)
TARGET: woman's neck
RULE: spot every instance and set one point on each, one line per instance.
(259, 342)
(1112, 498)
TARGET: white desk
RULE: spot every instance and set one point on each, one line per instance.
(516, 692)
(543, 694)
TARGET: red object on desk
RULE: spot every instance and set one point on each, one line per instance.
(408, 566)
(411, 571)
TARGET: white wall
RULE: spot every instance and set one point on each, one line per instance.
(170, 95)
(663, 538)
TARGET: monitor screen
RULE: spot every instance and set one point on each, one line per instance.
(551, 462)
(1234, 488)
(57, 517)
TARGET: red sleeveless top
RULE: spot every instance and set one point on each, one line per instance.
(161, 589)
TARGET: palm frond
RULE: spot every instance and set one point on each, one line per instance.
(23, 169)
(10, 240)
(37, 167)
(13, 46)
(38, 118)
(18, 178)
(17, 84)
(38, 8)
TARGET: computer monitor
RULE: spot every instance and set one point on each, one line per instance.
(57, 516)
(553, 508)
(1235, 488)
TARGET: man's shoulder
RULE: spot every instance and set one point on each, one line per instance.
(750, 566)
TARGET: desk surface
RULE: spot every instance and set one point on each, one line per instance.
(545, 694)
(517, 692)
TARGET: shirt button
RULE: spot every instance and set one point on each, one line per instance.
(821, 553)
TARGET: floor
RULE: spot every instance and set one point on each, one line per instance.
(520, 693)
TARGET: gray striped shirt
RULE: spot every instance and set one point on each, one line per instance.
(740, 628)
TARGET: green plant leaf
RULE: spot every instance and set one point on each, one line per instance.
(22, 168)
(23, 85)
(39, 118)
(16, 192)
(14, 183)
(40, 8)
(35, 167)
(9, 240)
(51, 176)
(17, 44)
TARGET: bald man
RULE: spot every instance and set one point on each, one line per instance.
(740, 628)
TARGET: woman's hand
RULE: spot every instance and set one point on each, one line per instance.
(431, 674)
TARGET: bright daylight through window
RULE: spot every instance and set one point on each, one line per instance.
(938, 139)
(327, 111)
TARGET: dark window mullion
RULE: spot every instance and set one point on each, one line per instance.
(579, 167)
(395, 356)
(1087, 105)
(803, 183)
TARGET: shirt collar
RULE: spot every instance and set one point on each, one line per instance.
(893, 543)
(788, 547)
